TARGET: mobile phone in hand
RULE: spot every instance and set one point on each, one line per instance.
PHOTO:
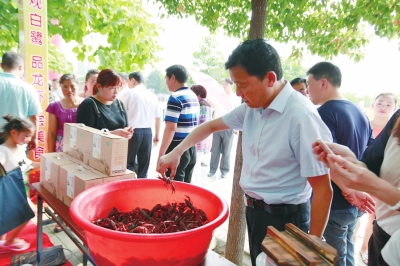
(324, 146)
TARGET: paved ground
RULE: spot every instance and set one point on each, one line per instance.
(216, 184)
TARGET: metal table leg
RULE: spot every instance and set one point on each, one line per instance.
(39, 242)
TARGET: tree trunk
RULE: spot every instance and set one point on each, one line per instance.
(237, 223)
(258, 17)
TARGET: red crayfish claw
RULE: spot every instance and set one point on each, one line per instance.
(168, 181)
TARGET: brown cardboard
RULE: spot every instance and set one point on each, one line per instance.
(73, 140)
(128, 175)
(102, 150)
(49, 169)
(74, 179)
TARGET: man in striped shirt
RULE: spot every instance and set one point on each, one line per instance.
(181, 118)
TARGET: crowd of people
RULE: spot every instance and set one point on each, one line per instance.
(287, 176)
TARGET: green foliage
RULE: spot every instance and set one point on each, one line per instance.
(209, 60)
(156, 81)
(356, 99)
(326, 28)
(130, 33)
(57, 61)
(9, 27)
(293, 69)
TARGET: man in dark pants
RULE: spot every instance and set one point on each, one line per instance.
(142, 108)
(279, 127)
(350, 127)
(182, 116)
(222, 140)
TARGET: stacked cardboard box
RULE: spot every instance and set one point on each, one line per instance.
(91, 157)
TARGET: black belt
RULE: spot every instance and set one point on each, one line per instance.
(278, 209)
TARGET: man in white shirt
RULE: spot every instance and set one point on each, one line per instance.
(222, 140)
(142, 108)
(278, 126)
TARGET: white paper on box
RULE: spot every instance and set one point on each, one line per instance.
(70, 184)
(96, 146)
(47, 171)
(72, 137)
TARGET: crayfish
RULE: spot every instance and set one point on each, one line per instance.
(161, 219)
(168, 181)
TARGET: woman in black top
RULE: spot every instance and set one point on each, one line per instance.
(103, 109)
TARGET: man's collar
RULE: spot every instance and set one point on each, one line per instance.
(9, 75)
(279, 103)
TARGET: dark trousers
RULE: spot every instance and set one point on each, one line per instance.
(259, 220)
(186, 165)
(221, 145)
(376, 243)
(140, 145)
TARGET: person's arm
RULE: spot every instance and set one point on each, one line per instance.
(157, 126)
(360, 178)
(374, 154)
(337, 149)
(52, 133)
(171, 160)
(169, 131)
(33, 143)
(34, 109)
(321, 203)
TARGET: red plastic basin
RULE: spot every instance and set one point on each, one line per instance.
(109, 247)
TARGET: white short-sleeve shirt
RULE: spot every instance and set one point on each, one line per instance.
(277, 147)
(10, 161)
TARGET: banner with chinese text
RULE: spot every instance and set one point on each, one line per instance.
(33, 47)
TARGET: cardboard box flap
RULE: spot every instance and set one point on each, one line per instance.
(83, 172)
(58, 158)
(103, 132)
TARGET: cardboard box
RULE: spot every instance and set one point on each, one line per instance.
(100, 149)
(128, 175)
(49, 169)
(73, 140)
(76, 178)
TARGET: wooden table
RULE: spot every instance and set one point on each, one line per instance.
(60, 213)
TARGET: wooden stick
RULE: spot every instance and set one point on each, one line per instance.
(291, 247)
(325, 250)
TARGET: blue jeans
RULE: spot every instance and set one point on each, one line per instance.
(339, 234)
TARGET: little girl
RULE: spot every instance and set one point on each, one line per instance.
(16, 133)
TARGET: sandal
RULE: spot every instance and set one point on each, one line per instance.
(18, 245)
(364, 257)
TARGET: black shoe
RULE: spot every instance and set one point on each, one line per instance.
(204, 164)
(210, 174)
(57, 229)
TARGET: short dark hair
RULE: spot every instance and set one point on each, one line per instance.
(199, 91)
(137, 76)
(55, 79)
(178, 71)
(257, 57)
(124, 76)
(68, 76)
(298, 81)
(91, 72)
(11, 60)
(228, 80)
(326, 70)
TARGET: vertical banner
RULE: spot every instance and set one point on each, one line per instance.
(33, 47)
